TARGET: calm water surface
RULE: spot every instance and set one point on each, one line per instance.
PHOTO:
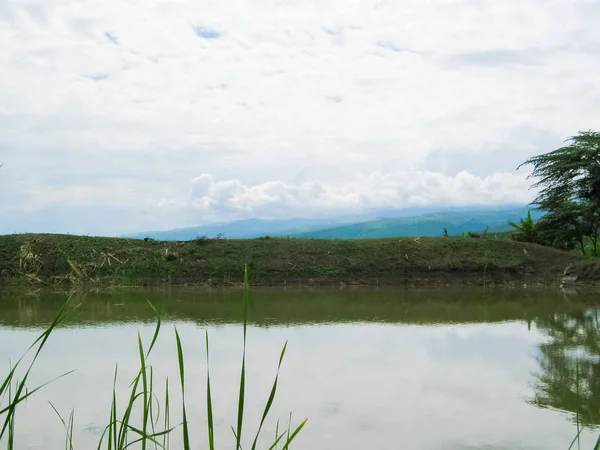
(371, 369)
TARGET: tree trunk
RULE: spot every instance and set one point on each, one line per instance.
(580, 237)
(594, 238)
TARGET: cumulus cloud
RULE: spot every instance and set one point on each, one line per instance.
(233, 199)
(290, 106)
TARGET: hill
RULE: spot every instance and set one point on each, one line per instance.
(426, 225)
(87, 261)
(382, 223)
(240, 229)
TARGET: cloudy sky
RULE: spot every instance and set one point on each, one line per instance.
(128, 115)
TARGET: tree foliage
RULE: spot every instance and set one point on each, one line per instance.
(525, 230)
(568, 180)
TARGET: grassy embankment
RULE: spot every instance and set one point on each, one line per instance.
(68, 260)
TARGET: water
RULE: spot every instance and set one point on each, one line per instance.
(376, 369)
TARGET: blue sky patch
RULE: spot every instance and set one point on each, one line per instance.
(111, 37)
(206, 33)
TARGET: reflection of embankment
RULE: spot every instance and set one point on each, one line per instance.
(282, 306)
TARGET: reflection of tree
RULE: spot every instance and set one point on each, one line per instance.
(569, 376)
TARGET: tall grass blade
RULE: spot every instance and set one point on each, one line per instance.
(576, 438)
(112, 439)
(209, 409)
(141, 390)
(241, 400)
(278, 438)
(236, 437)
(65, 311)
(124, 427)
(151, 398)
(68, 426)
(166, 439)
(156, 330)
(20, 386)
(143, 373)
(70, 431)
(8, 380)
(147, 437)
(124, 422)
(111, 428)
(271, 397)
(11, 432)
(294, 434)
(246, 300)
(186, 437)
(11, 424)
(578, 399)
(289, 425)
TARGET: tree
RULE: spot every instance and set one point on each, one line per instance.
(569, 182)
(525, 230)
(564, 226)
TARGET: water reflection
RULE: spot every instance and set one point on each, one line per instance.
(295, 306)
(569, 365)
(441, 369)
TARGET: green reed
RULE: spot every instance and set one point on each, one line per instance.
(120, 433)
(138, 419)
(279, 438)
(14, 391)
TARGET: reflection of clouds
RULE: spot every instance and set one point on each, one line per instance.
(499, 330)
(361, 385)
(582, 354)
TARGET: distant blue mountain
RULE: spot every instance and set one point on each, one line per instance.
(241, 229)
(417, 221)
(425, 225)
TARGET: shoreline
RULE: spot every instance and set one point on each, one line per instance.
(71, 261)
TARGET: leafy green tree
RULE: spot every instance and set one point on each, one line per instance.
(525, 230)
(569, 183)
(564, 227)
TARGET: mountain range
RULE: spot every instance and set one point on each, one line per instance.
(409, 222)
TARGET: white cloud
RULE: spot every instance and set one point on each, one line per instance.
(233, 199)
(122, 102)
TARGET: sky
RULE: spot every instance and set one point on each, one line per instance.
(131, 115)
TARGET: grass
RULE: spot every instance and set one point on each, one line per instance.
(14, 391)
(67, 260)
(122, 430)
